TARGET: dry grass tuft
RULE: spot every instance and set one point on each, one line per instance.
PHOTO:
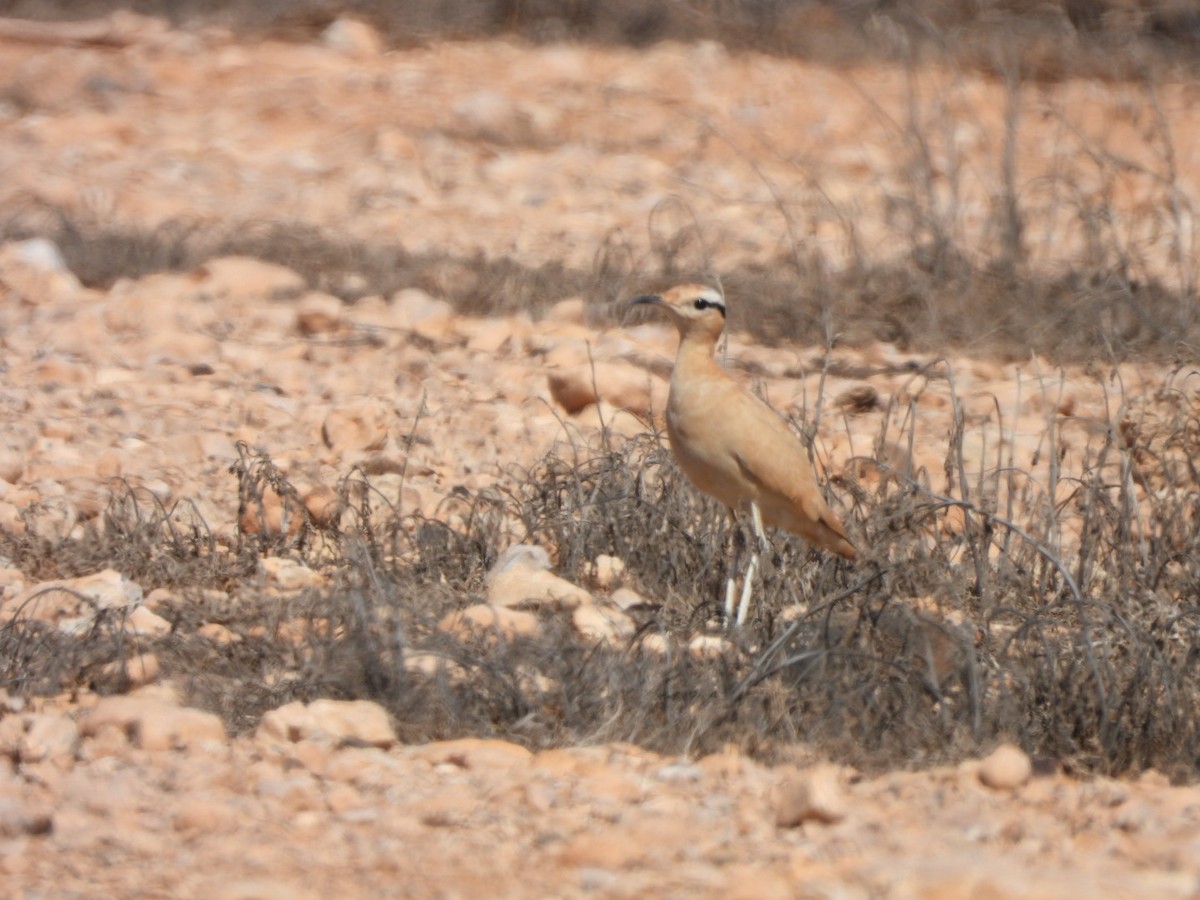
(1058, 610)
(958, 307)
(1052, 40)
(1069, 627)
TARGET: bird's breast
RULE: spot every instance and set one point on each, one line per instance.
(700, 437)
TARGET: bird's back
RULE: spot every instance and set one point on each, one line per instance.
(738, 450)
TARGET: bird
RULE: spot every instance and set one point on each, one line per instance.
(731, 445)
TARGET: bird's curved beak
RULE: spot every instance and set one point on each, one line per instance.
(646, 299)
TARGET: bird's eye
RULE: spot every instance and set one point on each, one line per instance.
(701, 303)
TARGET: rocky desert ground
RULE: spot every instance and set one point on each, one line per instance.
(191, 425)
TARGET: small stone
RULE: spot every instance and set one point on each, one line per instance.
(271, 515)
(352, 37)
(35, 272)
(709, 646)
(218, 633)
(626, 599)
(201, 814)
(811, 795)
(152, 723)
(161, 598)
(12, 732)
(136, 671)
(74, 603)
(293, 793)
(432, 665)
(680, 772)
(143, 621)
(357, 426)
(323, 504)
(608, 626)
(493, 336)
(318, 313)
(487, 110)
(12, 464)
(607, 571)
(657, 643)
(11, 582)
(243, 278)
(18, 819)
(48, 737)
(572, 311)
(262, 888)
(39, 253)
(415, 310)
(624, 387)
(483, 618)
(520, 556)
(610, 850)
(856, 400)
(475, 754)
(1005, 768)
(10, 519)
(358, 722)
(54, 516)
(288, 574)
(193, 351)
(522, 588)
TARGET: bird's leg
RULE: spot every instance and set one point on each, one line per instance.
(752, 569)
(747, 589)
(734, 556)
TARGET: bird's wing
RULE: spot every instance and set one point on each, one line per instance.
(776, 460)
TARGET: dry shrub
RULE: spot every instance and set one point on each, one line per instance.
(932, 646)
(1083, 649)
(921, 308)
(1124, 286)
(1057, 39)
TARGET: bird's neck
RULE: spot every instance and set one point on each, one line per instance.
(695, 355)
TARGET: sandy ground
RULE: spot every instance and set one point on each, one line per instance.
(537, 153)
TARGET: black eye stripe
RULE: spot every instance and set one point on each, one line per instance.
(704, 303)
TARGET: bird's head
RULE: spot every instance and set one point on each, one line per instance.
(693, 308)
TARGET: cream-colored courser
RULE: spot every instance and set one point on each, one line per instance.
(731, 445)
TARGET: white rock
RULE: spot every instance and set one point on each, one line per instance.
(607, 571)
(488, 110)
(152, 723)
(243, 278)
(520, 556)
(318, 313)
(624, 387)
(708, 646)
(352, 37)
(483, 618)
(75, 602)
(1006, 767)
(288, 574)
(339, 721)
(40, 253)
(522, 588)
(415, 310)
(361, 425)
(626, 599)
(811, 795)
(48, 737)
(145, 622)
(597, 623)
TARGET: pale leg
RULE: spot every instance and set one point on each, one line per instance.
(752, 569)
(734, 557)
